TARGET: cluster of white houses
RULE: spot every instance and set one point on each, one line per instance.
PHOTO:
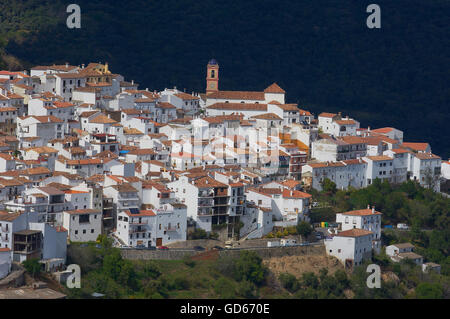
(84, 152)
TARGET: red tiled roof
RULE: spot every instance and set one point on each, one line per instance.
(274, 88)
(355, 232)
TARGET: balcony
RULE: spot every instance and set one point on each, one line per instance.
(205, 203)
(122, 198)
(138, 231)
(204, 212)
(205, 194)
(223, 193)
(134, 223)
(171, 229)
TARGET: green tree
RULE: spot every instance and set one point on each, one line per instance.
(426, 290)
(304, 229)
(33, 267)
(249, 267)
(224, 289)
(328, 186)
(289, 282)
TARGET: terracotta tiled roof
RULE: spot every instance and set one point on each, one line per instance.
(267, 116)
(102, 119)
(237, 95)
(82, 211)
(186, 96)
(325, 114)
(379, 158)
(416, 146)
(274, 88)
(361, 212)
(239, 106)
(295, 194)
(355, 232)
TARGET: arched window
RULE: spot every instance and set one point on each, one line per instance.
(213, 73)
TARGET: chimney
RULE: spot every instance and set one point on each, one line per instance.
(82, 66)
(67, 65)
(146, 89)
(368, 206)
(132, 82)
(373, 209)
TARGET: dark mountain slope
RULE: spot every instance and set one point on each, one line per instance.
(320, 52)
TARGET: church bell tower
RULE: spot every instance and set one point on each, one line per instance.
(212, 77)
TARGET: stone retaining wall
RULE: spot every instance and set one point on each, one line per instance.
(264, 253)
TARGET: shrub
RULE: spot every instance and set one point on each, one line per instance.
(289, 282)
(246, 289)
(224, 289)
(249, 267)
(33, 267)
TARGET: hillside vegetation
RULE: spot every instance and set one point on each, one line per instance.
(320, 52)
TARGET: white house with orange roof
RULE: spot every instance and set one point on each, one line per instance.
(352, 247)
(343, 173)
(43, 107)
(417, 147)
(7, 162)
(290, 113)
(99, 124)
(152, 228)
(288, 206)
(45, 127)
(381, 167)
(426, 169)
(246, 109)
(390, 132)
(368, 219)
(83, 225)
(207, 200)
(180, 100)
(325, 121)
(271, 93)
(401, 159)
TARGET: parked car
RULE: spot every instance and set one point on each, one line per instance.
(199, 248)
(315, 204)
(402, 226)
(162, 247)
(140, 247)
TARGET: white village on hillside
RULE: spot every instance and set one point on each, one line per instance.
(83, 153)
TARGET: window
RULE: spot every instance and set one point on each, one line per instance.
(76, 232)
(92, 231)
(84, 231)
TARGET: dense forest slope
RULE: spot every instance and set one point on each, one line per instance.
(320, 52)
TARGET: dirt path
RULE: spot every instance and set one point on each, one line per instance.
(297, 265)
